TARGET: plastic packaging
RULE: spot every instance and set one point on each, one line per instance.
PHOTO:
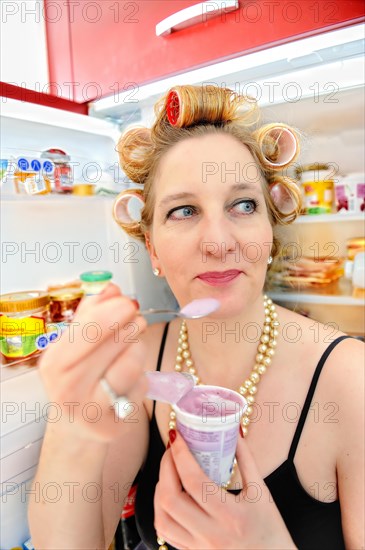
(32, 176)
(350, 193)
(355, 270)
(24, 317)
(93, 282)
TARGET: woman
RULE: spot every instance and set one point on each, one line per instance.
(212, 194)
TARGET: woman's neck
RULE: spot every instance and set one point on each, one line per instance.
(224, 350)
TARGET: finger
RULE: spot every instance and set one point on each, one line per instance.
(109, 291)
(173, 533)
(103, 323)
(196, 483)
(170, 497)
(169, 478)
(247, 465)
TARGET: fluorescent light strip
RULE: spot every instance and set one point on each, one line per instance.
(32, 112)
(270, 55)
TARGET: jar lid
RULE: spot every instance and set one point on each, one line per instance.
(96, 276)
(66, 294)
(56, 155)
(83, 189)
(23, 301)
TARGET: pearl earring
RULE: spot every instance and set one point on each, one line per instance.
(269, 261)
(156, 271)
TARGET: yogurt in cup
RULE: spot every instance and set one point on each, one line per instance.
(208, 418)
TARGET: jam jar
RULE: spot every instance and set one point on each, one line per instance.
(24, 317)
(64, 303)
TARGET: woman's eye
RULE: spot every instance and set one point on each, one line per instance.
(245, 207)
(181, 213)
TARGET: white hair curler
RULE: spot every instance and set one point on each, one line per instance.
(127, 207)
(283, 141)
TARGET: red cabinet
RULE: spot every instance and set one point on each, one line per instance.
(109, 45)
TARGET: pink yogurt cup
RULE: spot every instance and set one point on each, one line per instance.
(208, 418)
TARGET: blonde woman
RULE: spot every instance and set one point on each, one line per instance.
(212, 190)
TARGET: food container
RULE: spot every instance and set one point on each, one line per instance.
(62, 179)
(355, 246)
(93, 282)
(350, 193)
(83, 189)
(64, 303)
(32, 176)
(4, 163)
(318, 184)
(23, 321)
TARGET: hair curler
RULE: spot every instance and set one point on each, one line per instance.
(127, 208)
(279, 145)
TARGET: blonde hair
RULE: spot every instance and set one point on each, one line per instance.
(204, 110)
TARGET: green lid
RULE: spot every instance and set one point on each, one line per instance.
(96, 276)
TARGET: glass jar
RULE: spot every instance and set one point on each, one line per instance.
(62, 177)
(318, 186)
(93, 282)
(24, 317)
(64, 303)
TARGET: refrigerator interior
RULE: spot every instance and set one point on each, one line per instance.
(52, 239)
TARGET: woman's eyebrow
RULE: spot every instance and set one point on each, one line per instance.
(186, 195)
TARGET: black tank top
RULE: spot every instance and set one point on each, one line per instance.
(313, 525)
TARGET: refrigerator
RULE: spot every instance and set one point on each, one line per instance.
(316, 86)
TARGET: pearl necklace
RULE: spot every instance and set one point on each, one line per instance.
(265, 353)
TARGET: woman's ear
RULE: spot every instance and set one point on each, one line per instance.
(155, 262)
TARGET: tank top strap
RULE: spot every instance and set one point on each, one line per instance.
(160, 356)
(308, 400)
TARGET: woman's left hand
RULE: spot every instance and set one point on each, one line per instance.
(203, 515)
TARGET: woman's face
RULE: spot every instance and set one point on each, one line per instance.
(211, 235)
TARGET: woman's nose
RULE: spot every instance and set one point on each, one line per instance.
(217, 239)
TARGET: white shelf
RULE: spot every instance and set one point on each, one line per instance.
(41, 114)
(307, 298)
(339, 293)
(56, 198)
(330, 218)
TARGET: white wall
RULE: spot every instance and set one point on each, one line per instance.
(23, 60)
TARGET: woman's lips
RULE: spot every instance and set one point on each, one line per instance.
(216, 278)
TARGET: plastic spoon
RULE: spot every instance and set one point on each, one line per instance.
(193, 310)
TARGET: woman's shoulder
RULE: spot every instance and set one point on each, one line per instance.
(152, 340)
(312, 338)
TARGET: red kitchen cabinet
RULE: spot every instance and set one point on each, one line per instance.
(107, 46)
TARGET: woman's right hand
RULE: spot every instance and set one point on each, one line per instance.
(103, 341)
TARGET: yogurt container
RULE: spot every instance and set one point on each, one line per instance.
(208, 418)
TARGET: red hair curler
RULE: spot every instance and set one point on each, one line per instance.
(173, 107)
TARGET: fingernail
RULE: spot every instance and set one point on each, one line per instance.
(241, 431)
(172, 436)
(136, 303)
(168, 445)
